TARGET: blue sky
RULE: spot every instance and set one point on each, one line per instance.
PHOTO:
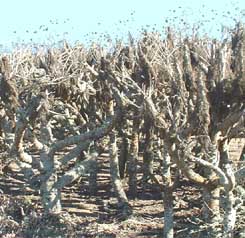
(52, 20)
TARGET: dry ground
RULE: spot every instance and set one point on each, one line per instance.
(94, 216)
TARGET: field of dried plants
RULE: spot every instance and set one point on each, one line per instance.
(142, 140)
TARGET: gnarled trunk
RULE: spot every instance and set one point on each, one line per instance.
(133, 157)
(148, 151)
(114, 171)
(230, 209)
(124, 147)
(168, 229)
(114, 164)
(50, 195)
(211, 210)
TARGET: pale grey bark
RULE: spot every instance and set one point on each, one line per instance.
(6, 129)
(50, 195)
(95, 134)
(123, 129)
(123, 133)
(133, 159)
(211, 194)
(148, 155)
(27, 117)
(81, 168)
(114, 171)
(211, 200)
(211, 197)
(168, 229)
(74, 152)
(230, 215)
(230, 209)
(51, 185)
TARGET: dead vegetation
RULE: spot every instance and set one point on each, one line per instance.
(163, 110)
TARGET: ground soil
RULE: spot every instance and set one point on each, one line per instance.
(84, 215)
